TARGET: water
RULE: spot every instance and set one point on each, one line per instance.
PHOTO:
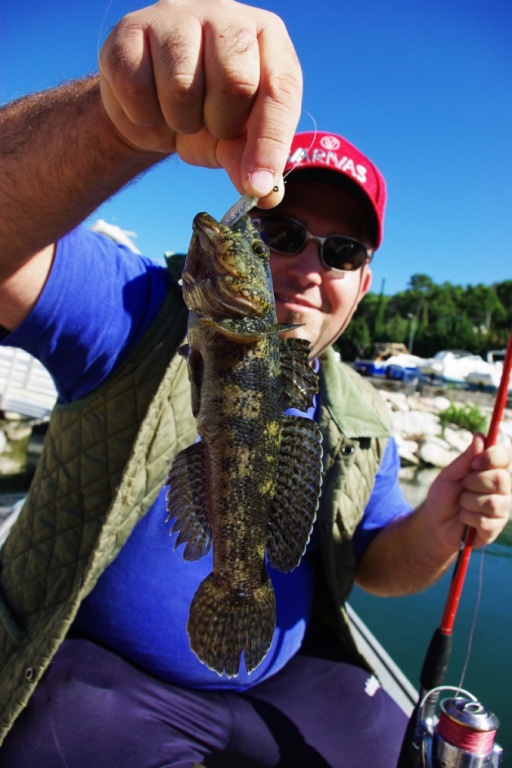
(405, 625)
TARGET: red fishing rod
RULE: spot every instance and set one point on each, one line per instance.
(438, 653)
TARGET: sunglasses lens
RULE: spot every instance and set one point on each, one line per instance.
(282, 235)
(289, 237)
(344, 254)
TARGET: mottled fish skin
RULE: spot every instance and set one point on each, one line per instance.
(252, 485)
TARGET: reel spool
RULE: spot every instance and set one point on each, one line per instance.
(463, 736)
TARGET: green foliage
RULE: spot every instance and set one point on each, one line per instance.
(468, 417)
(434, 317)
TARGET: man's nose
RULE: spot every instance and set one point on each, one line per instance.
(307, 263)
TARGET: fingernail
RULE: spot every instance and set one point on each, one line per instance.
(261, 182)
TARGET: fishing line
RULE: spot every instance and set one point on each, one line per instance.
(468, 740)
(315, 132)
(475, 617)
(436, 660)
(441, 688)
(353, 308)
(245, 203)
(102, 24)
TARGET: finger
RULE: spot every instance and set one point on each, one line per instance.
(496, 481)
(229, 155)
(485, 504)
(178, 72)
(274, 115)
(125, 63)
(232, 72)
(198, 149)
(494, 456)
(463, 464)
(487, 528)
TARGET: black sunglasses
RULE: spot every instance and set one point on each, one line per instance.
(287, 236)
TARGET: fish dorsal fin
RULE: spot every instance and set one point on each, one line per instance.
(300, 382)
(295, 502)
(187, 502)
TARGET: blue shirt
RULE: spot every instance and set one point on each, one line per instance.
(140, 604)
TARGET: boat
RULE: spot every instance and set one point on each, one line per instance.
(386, 354)
(488, 377)
(391, 677)
(451, 366)
(403, 367)
(26, 387)
(370, 367)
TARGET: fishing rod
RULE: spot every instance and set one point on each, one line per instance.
(464, 734)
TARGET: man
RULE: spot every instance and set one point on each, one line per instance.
(95, 659)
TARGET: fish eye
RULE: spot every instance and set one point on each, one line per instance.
(260, 249)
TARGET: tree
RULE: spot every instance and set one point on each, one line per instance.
(475, 318)
(356, 341)
(421, 283)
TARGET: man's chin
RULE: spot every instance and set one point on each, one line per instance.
(302, 331)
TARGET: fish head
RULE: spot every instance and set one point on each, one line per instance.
(227, 270)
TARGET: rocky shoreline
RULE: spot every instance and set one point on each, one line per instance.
(422, 440)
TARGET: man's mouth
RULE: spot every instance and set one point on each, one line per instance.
(295, 301)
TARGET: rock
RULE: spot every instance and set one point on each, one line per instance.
(414, 425)
(8, 466)
(440, 403)
(407, 450)
(457, 439)
(397, 401)
(417, 428)
(17, 431)
(436, 453)
(506, 431)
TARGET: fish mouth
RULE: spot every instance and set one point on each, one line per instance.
(209, 233)
(216, 281)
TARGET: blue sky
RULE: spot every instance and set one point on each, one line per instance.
(423, 88)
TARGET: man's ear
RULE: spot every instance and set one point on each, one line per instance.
(366, 281)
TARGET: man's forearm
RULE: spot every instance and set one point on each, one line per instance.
(404, 558)
(60, 159)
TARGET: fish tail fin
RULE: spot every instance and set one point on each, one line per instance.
(223, 623)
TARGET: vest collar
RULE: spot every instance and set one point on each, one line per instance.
(341, 392)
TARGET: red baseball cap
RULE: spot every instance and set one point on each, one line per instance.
(328, 157)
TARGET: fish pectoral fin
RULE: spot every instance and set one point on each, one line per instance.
(300, 382)
(246, 330)
(243, 330)
(186, 502)
(224, 623)
(299, 480)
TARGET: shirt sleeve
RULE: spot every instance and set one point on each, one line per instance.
(98, 301)
(386, 503)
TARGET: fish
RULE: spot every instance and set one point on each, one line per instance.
(250, 487)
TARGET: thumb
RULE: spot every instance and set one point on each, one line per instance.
(462, 465)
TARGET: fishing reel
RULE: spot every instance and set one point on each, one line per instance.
(462, 736)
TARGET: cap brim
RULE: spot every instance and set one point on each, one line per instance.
(343, 182)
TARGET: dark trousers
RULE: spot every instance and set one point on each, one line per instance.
(93, 708)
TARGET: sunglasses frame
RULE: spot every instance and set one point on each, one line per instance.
(256, 220)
